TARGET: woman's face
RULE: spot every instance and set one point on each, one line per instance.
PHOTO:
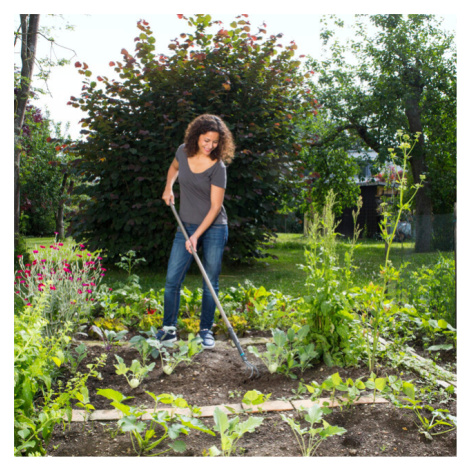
(208, 142)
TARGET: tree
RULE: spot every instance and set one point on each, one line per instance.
(327, 166)
(29, 35)
(135, 125)
(403, 78)
(44, 175)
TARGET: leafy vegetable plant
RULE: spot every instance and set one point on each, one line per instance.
(181, 351)
(231, 430)
(143, 433)
(134, 374)
(310, 438)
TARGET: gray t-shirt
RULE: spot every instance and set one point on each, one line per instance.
(195, 188)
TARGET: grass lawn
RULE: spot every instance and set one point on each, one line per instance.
(281, 274)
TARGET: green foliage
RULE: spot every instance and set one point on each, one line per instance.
(143, 434)
(287, 351)
(402, 75)
(310, 438)
(432, 289)
(231, 430)
(172, 354)
(72, 278)
(135, 125)
(37, 358)
(43, 165)
(334, 327)
(134, 374)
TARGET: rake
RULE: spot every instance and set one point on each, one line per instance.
(252, 368)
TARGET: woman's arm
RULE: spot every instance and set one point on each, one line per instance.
(173, 171)
(217, 199)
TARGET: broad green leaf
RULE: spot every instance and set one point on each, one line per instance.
(130, 424)
(111, 394)
(178, 446)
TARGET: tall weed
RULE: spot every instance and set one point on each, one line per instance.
(334, 327)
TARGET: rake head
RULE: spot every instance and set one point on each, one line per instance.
(252, 369)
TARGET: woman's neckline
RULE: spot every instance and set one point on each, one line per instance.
(200, 172)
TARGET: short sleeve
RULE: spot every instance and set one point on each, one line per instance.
(179, 152)
(219, 175)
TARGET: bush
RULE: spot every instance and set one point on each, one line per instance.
(72, 283)
(135, 126)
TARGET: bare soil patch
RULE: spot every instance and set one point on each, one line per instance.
(218, 377)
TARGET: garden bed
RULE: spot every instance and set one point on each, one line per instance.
(218, 377)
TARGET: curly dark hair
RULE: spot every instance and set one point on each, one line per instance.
(210, 123)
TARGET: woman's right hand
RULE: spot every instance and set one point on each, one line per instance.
(168, 197)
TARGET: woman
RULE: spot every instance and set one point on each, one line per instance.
(201, 173)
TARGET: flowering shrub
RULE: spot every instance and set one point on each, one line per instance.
(72, 283)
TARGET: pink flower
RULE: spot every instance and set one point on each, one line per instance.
(60, 244)
(20, 256)
(80, 291)
(35, 251)
(43, 261)
(41, 246)
(53, 288)
(40, 286)
(89, 291)
(79, 255)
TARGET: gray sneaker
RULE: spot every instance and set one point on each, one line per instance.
(208, 341)
(167, 334)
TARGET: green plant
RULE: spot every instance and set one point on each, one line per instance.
(75, 357)
(181, 351)
(134, 374)
(310, 438)
(143, 347)
(129, 261)
(230, 431)
(334, 328)
(110, 324)
(377, 384)
(143, 434)
(111, 338)
(389, 224)
(287, 351)
(426, 425)
(255, 398)
(37, 359)
(72, 283)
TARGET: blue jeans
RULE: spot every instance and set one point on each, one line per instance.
(213, 242)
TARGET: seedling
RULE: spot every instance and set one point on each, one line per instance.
(134, 374)
(231, 430)
(310, 438)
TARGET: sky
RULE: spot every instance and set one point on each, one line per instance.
(98, 38)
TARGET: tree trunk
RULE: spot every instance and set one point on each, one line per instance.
(59, 215)
(29, 34)
(418, 167)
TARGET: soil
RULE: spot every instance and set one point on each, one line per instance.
(218, 377)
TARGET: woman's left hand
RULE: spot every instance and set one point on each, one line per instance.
(192, 241)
